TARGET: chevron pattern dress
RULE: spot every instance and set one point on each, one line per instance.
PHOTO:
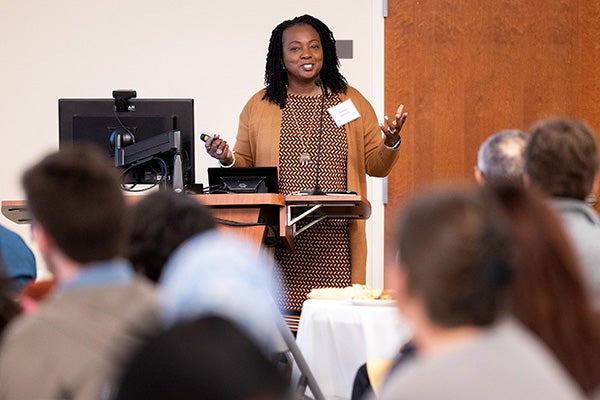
(322, 253)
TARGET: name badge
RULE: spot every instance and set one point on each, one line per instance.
(343, 113)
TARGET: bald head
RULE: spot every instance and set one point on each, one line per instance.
(500, 158)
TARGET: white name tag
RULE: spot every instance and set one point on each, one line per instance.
(343, 113)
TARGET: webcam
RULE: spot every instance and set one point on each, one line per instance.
(122, 100)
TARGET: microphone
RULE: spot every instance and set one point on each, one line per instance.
(316, 191)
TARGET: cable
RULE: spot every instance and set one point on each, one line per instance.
(163, 173)
(122, 124)
(213, 189)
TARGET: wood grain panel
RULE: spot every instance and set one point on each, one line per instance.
(467, 69)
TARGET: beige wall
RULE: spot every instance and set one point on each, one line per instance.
(213, 52)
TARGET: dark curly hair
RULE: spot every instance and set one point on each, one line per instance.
(276, 77)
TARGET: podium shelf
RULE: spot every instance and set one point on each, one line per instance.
(16, 211)
(314, 209)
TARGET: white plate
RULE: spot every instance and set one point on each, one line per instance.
(373, 302)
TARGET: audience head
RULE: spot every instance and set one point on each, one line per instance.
(562, 158)
(75, 198)
(162, 221)
(547, 293)
(19, 261)
(206, 358)
(500, 158)
(219, 274)
(454, 255)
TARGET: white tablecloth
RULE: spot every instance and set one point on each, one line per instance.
(336, 337)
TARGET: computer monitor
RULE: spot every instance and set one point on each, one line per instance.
(243, 180)
(149, 122)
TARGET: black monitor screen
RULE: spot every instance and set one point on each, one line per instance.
(96, 120)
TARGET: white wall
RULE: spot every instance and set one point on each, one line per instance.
(213, 52)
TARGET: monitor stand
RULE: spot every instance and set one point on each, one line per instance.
(145, 150)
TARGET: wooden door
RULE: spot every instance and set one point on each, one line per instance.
(466, 69)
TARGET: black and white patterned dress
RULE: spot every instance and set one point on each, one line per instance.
(321, 257)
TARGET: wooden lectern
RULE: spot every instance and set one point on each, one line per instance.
(265, 218)
(259, 217)
(255, 214)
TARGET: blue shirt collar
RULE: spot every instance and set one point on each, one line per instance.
(101, 273)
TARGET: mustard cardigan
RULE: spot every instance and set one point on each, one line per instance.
(257, 144)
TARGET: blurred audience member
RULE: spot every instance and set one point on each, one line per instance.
(206, 358)
(39, 290)
(72, 346)
(9, 306)
(500, 161)
(161, 222)
(219, 274)
(548, 294)
(366, 385)
(18, 258)
(35, 292)
(561, 158)
(454, 256)
(500, 158)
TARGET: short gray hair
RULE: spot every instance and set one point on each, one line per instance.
(501, 156)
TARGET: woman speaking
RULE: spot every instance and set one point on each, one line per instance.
(290, 124)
